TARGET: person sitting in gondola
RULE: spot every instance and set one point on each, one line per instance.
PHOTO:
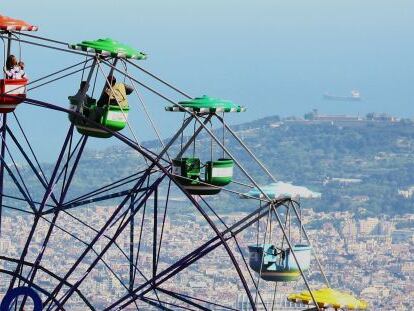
(21, 65)
(283, 254)
(83, 98)
(14, 69)
(115, 93)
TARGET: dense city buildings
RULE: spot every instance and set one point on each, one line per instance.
(370, 257)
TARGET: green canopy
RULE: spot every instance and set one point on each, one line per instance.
(206, 104)
(109, 47)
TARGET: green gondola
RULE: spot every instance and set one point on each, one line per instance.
(110, 116)
(195, 177)
(217, 174)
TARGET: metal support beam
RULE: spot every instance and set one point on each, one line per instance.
(196, 117)
(98, 199)
(46, 196)
(225, 126)
(9, 44)
(155, 235)
(16, 182)
(310, 244)
(158, 305)
(100, 233)
(195, 255)
(3, 152)
(111, 72)
(294, 256)
(193, 137)
(39, 258)
(183, 299)
(131, 247)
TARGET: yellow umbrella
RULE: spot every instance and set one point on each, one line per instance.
(330, 298)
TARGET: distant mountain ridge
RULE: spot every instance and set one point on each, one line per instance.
(363, 166)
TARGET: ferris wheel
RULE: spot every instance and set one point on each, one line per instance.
(121, 243)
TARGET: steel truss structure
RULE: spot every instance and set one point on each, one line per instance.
(136, 207)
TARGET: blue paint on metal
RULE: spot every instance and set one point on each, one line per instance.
(21, 291)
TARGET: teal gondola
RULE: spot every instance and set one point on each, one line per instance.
(279, 265)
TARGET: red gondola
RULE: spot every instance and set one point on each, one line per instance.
(12, 93)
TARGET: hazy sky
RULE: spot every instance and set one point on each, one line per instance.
(275, 57)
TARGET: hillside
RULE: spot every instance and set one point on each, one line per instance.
(356, 165)
(363, 166)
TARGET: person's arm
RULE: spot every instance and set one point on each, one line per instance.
(128, 89)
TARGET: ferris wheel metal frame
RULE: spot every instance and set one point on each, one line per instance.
(134, 191)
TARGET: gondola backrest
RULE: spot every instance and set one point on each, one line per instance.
(220, 172)
(303, 255)
(13, 92)
(186, 167)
